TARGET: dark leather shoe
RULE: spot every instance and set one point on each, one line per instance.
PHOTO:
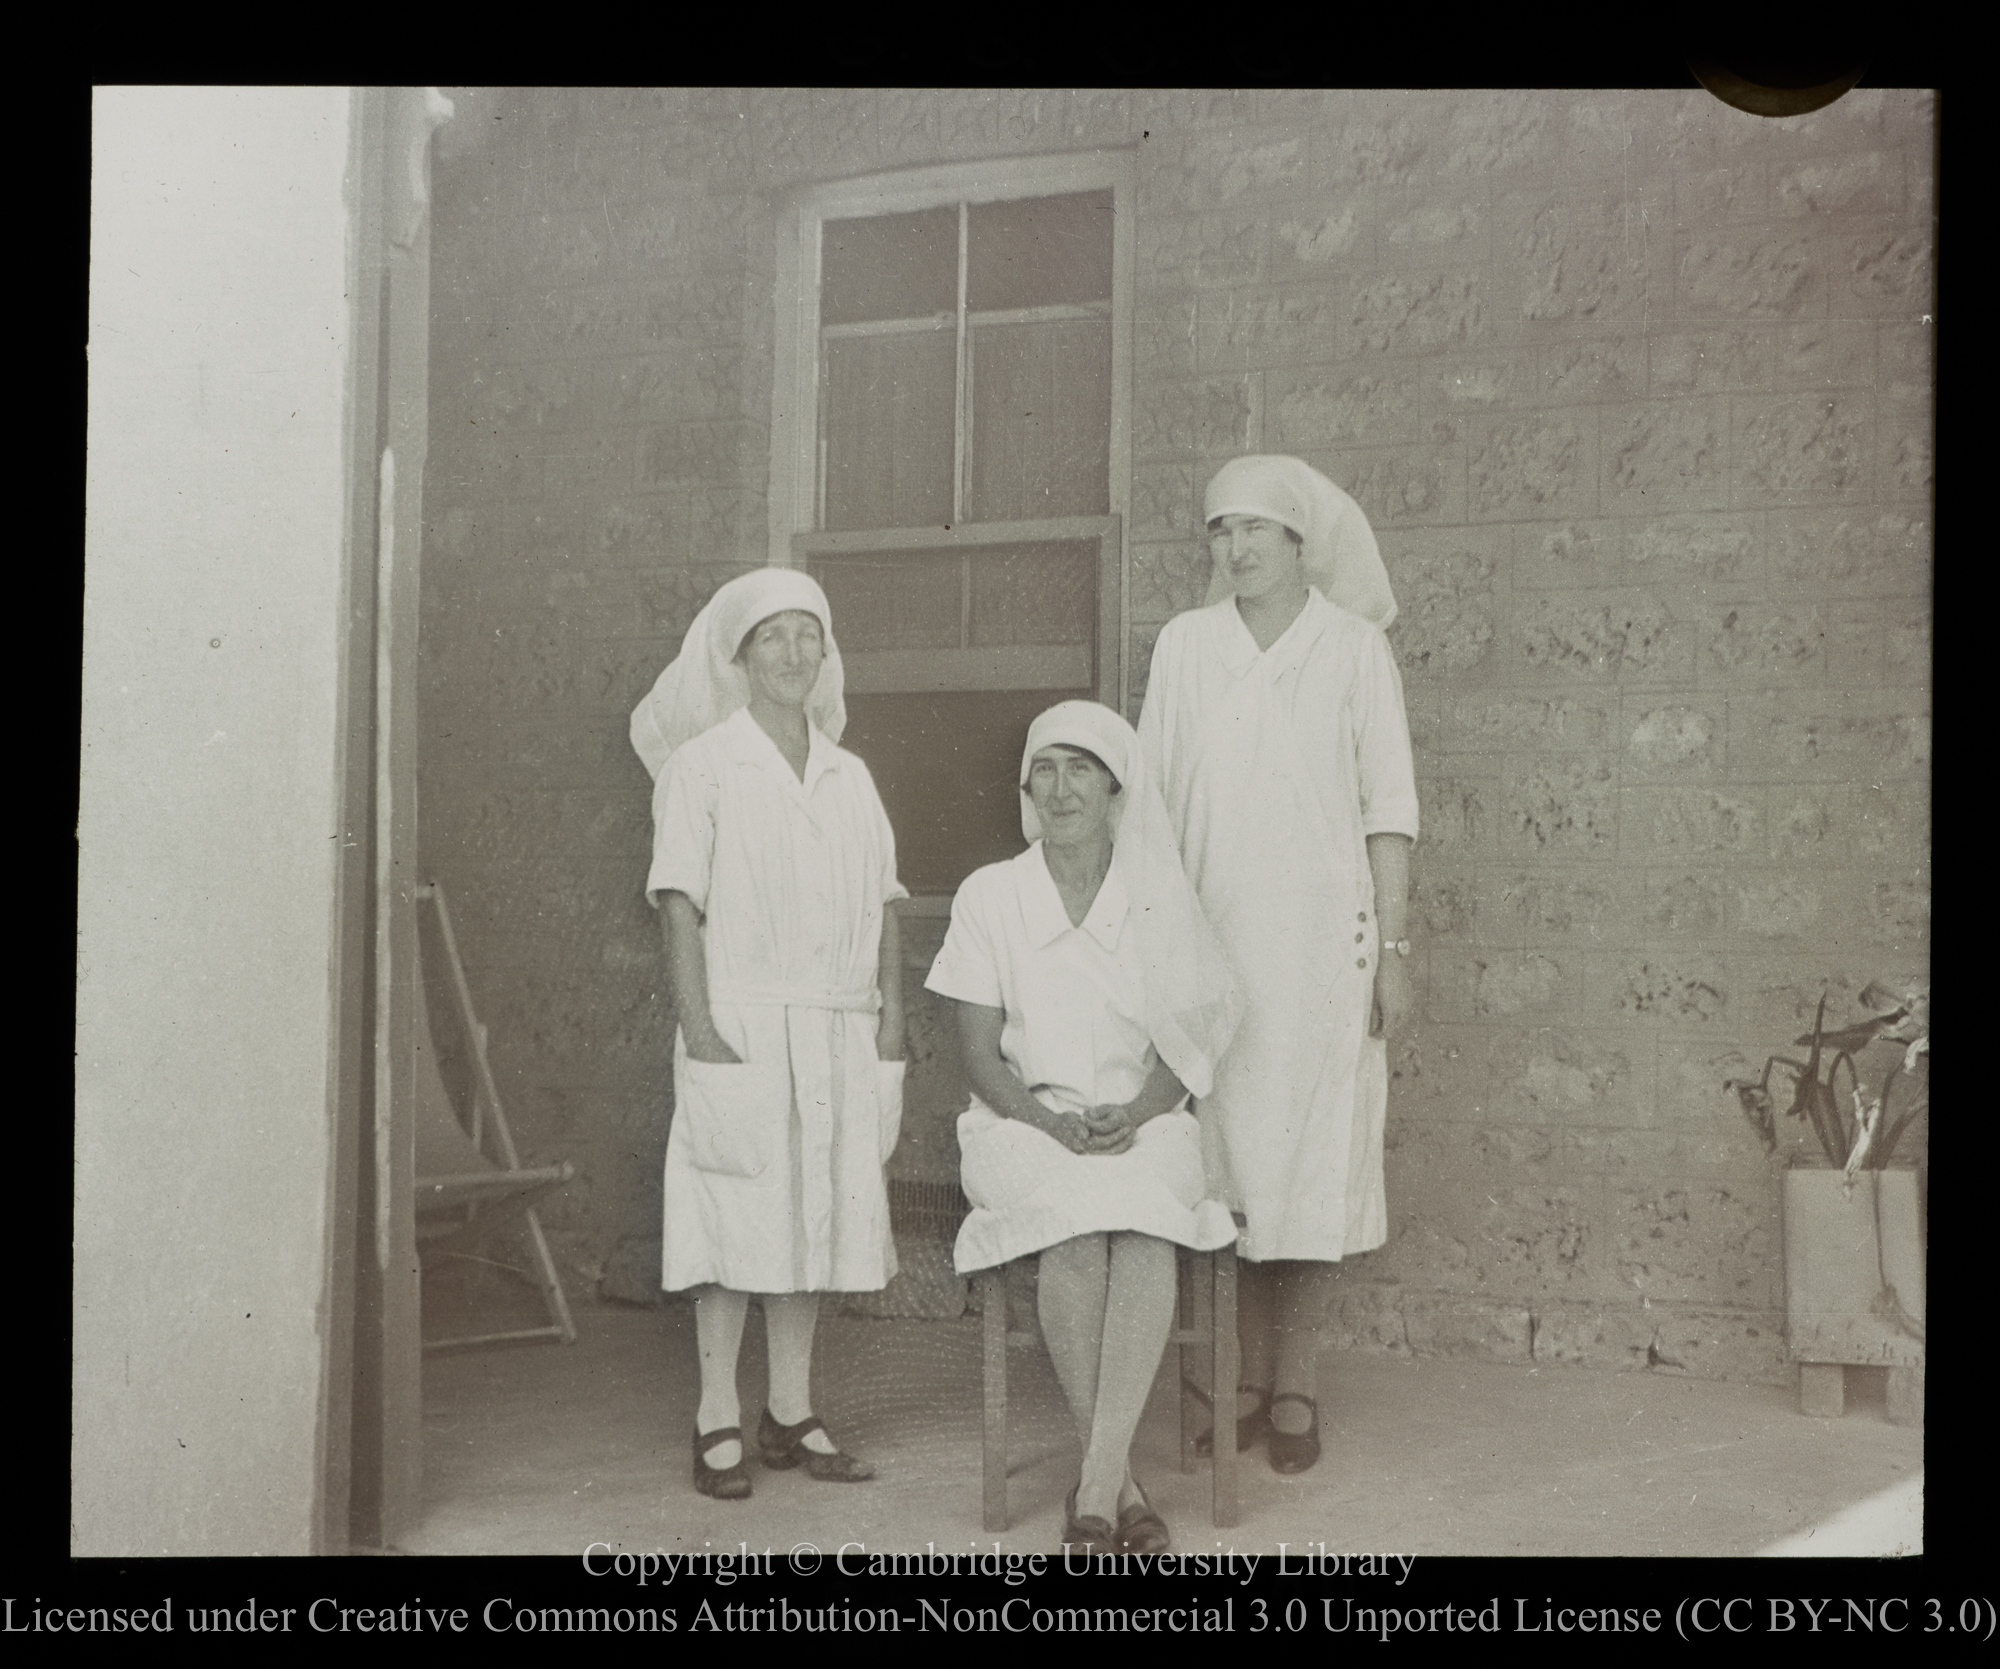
(723, 1483)
(1295, 1451)
(1087, 1535)
(1249, 1427)
(1140, 1528)
(783, 1447)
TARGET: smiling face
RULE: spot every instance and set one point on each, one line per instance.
(783, 655)
(1072, 792)
(1263, 558)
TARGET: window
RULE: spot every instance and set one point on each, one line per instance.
(949, 461)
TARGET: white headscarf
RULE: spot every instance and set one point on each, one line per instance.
(1192, 1006)
(703, 684)
(1340, 554)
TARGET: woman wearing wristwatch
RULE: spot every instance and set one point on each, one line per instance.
(1274, 724)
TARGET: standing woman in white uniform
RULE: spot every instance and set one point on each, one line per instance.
(1092, 998)
(773, 866)
(1275, 718)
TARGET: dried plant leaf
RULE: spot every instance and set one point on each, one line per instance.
(1888, 1307)
(1881, 998)
(1850, 1037)
(1758, 1108)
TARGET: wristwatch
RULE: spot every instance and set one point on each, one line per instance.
(1400, 946)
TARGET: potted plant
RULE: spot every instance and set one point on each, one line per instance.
(1854, 1233)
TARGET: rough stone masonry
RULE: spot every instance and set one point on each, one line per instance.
(1636, 390)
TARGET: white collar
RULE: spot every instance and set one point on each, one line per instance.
(1239, 648)
(750, 745)
(1042, 906)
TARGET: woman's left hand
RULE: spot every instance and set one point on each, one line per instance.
(1394, 997)
(1113, 1126)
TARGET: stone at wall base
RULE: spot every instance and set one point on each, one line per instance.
(1906, 1396)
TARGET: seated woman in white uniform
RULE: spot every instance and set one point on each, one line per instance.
(773, 866)
(1092, 1000)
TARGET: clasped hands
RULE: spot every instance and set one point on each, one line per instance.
(1109, 1128)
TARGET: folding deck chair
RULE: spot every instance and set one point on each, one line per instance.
(463, 1195)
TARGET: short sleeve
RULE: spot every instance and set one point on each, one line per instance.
(967, 968)
(1386, 772)
(1157, 727)
(685, 801)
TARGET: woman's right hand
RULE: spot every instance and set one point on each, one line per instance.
(1071, 1131)
(1079, 1135)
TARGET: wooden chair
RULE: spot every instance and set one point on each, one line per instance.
(462, 1193)
(1204, 1322)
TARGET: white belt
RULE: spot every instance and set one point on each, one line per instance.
(859, 999)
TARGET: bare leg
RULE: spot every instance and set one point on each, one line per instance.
(1138, 1311)
(1305, 1294)
(789, 1321)
(718, 1331)
(1069, 1298)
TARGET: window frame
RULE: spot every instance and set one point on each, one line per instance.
(904, 669)
(795, 397)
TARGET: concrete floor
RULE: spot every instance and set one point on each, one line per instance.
(544, 1449)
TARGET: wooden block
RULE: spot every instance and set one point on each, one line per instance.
(1906, 1396)
(1822, 1389)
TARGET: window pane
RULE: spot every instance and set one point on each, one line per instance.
(948, 768)
(893, 602)
(888, 430)
(1037, 251)
(1034, 594)
(1041, 420)
(891, 266)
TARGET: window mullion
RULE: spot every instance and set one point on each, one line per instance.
(961, 410)
(961, 439)
(819, 440)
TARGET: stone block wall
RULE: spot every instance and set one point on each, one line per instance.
(1636, 390)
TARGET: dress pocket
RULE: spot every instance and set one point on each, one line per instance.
(889, 1103)
(733, 1113)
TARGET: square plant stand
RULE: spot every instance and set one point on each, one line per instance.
(1854, 1286)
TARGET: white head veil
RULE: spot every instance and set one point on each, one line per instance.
(703, 684)
(1340, 554)
(1192, 1006)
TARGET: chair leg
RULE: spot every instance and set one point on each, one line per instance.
(1227, 1357)
(1192, 1360)
(549, 1281)
(993, 1321)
